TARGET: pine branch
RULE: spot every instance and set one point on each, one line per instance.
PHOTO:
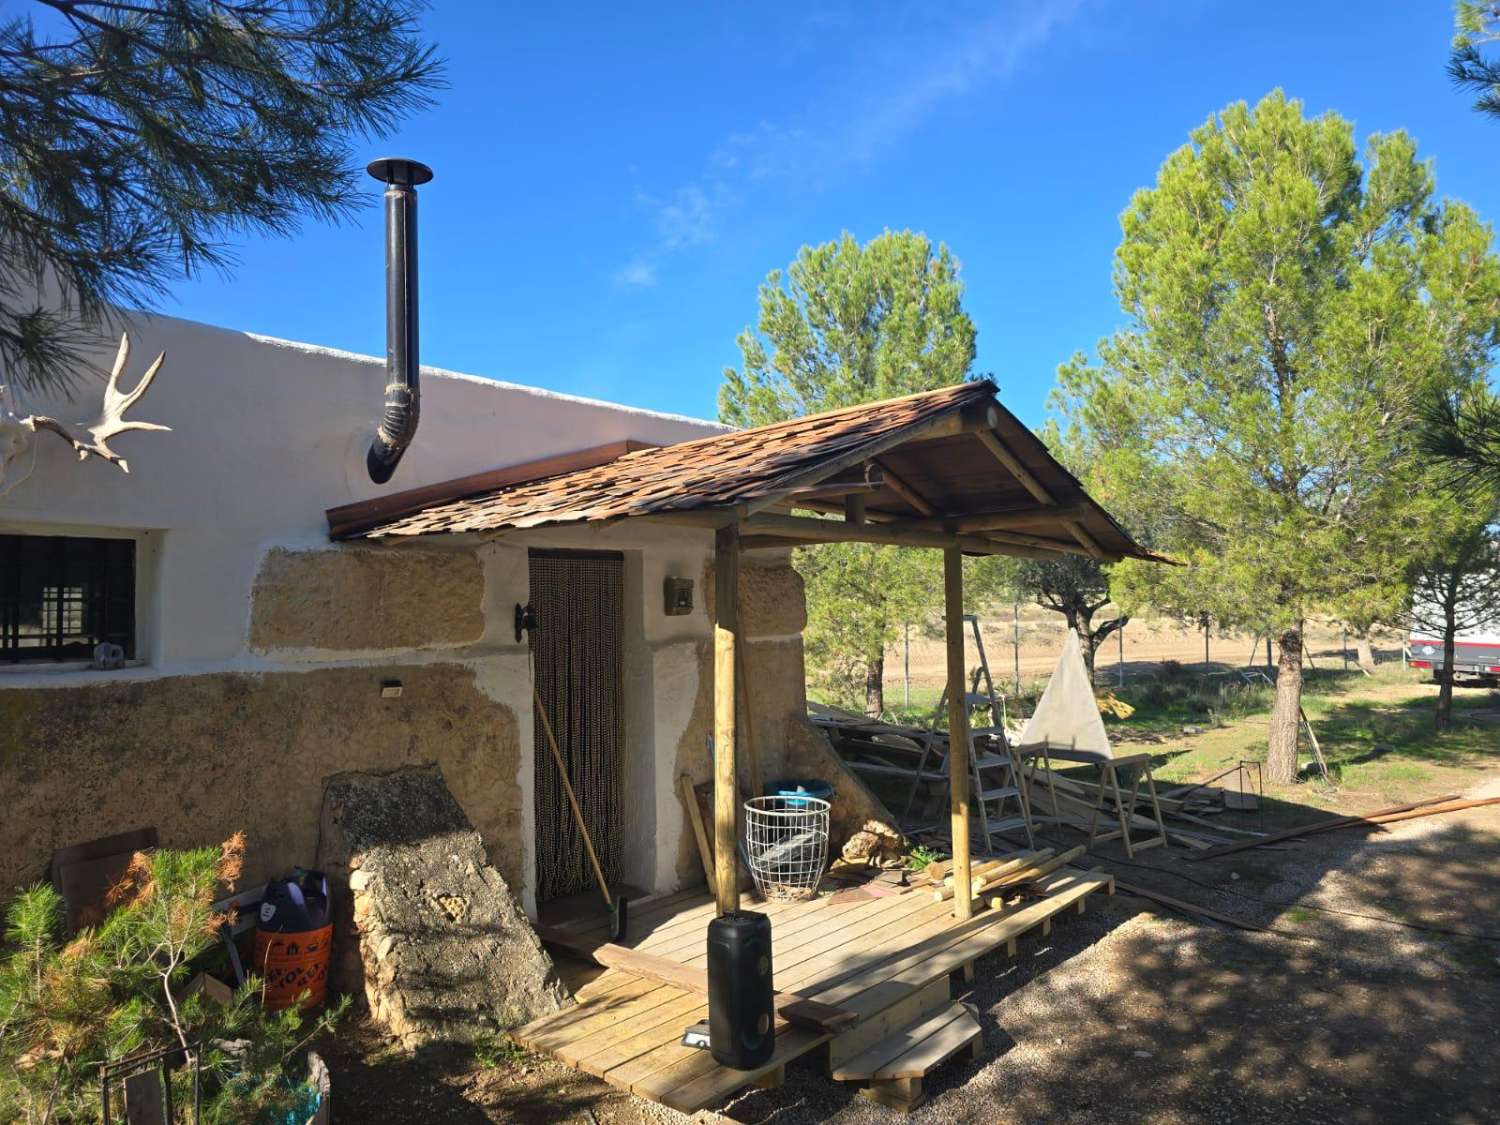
(135, 145)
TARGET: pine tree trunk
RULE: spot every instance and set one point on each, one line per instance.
(875, 687)
(1445, 676)
(1286, 714)
(1364, 654)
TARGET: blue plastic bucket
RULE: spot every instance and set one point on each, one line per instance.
(800, 787)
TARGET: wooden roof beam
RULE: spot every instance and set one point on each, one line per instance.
(1003, 454)
(796, 531)
(902, 489)
(1039, 492)
(1001, 521)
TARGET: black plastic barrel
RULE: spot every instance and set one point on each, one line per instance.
(741, 1016)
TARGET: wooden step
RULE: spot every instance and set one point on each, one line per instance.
(999, 792)
(915, 1049)
(884, 1009)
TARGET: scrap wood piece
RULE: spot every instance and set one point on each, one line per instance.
(794, 1009)
(1204, 911)
(700, 833)
(1183, 790)
(1324, 826)
(1452, 806)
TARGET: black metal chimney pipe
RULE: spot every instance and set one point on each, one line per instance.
(403, 400)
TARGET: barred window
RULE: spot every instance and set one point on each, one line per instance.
(60, 596)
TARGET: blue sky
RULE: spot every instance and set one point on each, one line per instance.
(614, 180)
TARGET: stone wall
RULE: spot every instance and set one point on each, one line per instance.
(353, 599)
(202, 756)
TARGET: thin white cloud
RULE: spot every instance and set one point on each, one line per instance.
(637, 274)
(878, 105)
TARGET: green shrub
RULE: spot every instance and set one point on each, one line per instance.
(68, 1005)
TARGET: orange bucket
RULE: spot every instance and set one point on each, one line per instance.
(293, 963)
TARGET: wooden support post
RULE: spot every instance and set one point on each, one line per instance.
(726, 780)
(958, 726)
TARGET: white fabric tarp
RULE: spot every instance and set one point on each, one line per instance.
(1067, 718)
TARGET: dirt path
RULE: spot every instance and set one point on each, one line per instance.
(1147, 642)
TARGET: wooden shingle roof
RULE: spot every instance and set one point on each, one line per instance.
(948, 455)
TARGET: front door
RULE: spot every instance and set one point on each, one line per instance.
(578, 599)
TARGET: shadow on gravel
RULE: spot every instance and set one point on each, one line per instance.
(1123, 1016)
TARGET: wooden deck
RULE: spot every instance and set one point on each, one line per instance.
(887, 959)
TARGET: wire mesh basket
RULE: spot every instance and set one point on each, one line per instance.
(786, 839)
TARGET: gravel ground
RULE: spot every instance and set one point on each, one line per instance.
(1129, 1013)
(1126, 1015)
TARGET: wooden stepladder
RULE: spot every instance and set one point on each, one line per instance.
(995, 775)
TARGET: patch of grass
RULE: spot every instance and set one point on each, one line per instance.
(919, 857)
(1297, 914)
(493, 1049)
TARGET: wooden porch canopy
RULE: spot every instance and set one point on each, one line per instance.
(949, 469)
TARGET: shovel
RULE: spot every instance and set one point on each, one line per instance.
(616, 906)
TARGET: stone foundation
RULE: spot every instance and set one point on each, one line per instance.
(200, 757)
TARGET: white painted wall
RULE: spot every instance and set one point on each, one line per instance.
(266, 435)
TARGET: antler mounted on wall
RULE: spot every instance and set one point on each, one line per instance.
(88, 438)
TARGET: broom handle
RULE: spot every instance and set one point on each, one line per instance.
(562, 773)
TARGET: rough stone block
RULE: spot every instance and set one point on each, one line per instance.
(358, 599)
(443, 951)
(810, 754)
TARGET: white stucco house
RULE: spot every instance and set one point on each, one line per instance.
(256, 649)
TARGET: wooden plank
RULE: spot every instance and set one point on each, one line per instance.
(619, 1045)
(894, 1005)
(1087, 541)
(925, 948)
(961, 1032)
(713, 1087)
(873, 1062)
(958, 725)
(622, 1024)
(1008, 520)
(548, 1035)
(646, 1027)
(726, 776)
(1323, 826)
(695, 818)
(796, 1010)
(685, 939)
(901, 488)
(804, 529)
(1002, 453)
(347, 520)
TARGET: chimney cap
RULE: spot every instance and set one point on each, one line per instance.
(399, 170)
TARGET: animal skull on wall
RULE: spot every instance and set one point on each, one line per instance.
(17, 431)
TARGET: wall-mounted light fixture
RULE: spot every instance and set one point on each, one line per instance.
(677, 596)
(525, 621)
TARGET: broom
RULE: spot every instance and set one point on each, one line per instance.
(617, 906)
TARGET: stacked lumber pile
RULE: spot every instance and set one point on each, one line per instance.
(1187, 807)
(995, 881)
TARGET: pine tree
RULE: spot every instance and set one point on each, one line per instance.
(1291, 306)
(136, 137)
(1477, 24)
(848, 324)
